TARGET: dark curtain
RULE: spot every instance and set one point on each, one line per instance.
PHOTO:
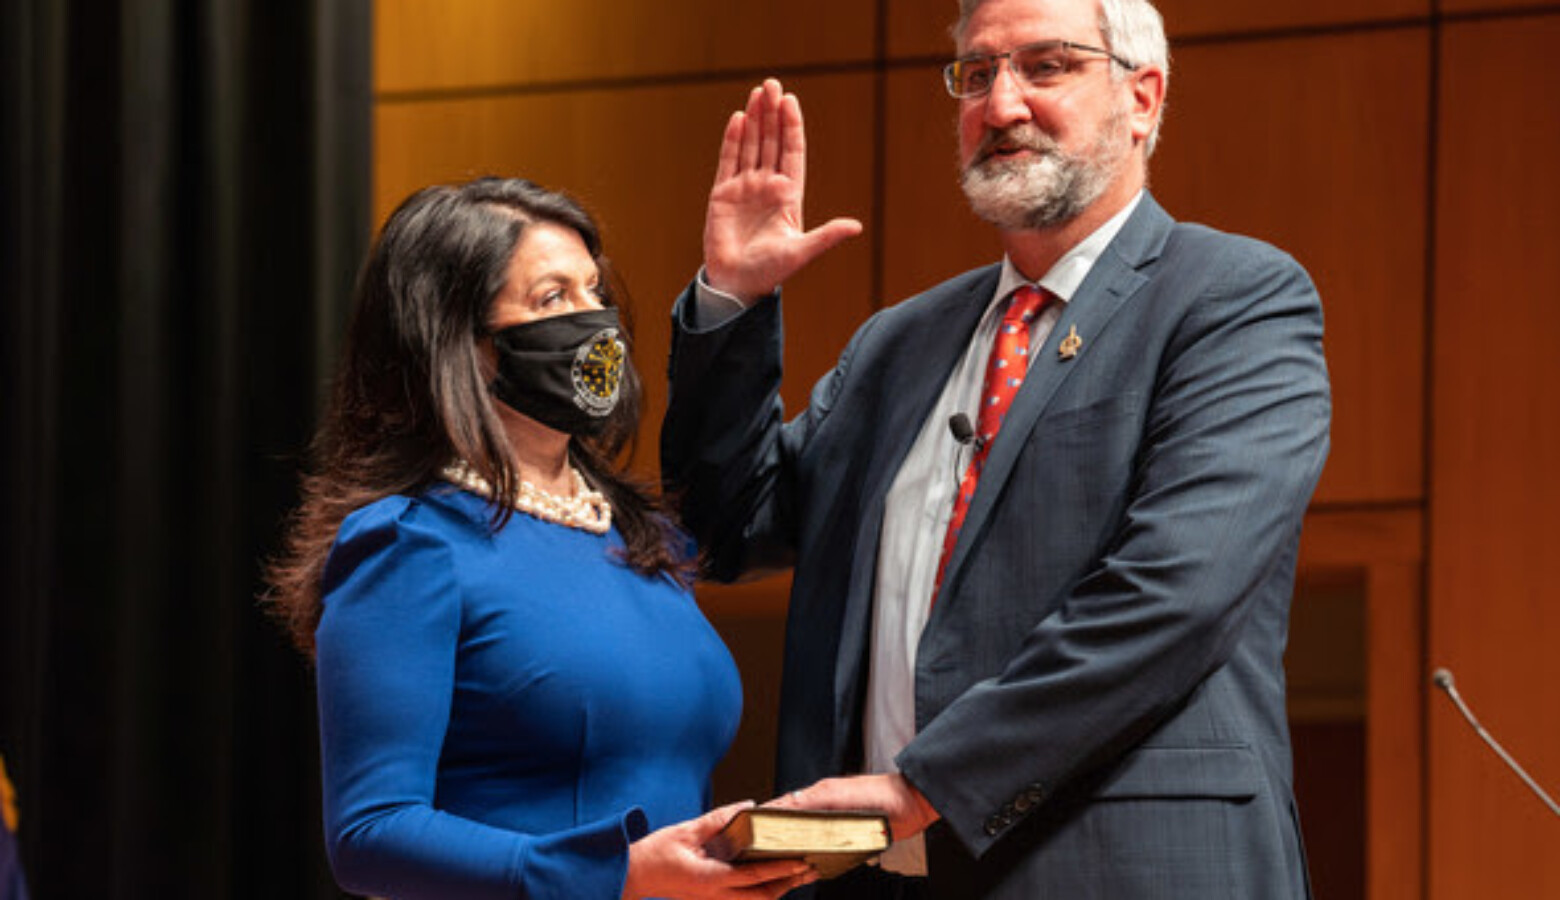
(185, 200)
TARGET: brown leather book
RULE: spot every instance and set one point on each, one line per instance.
(832, 842)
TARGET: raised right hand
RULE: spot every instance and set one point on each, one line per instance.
(753, 234)
(671, 862)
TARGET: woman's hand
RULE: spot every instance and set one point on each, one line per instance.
(671, 862)
(753, 235)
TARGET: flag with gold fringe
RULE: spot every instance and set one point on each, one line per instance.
(12, 885)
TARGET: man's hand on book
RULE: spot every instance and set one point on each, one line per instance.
(908, 812)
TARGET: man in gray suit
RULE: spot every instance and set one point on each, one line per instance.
(1047, 637)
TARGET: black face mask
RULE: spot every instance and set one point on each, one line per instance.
(563, 371)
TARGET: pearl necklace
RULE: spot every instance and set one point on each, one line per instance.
(587, 510)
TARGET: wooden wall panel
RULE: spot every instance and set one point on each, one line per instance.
(755, 639)
(641, 160)
(1453, 7)
(920, 27)
(1385, 550)
(751, 619)
(1185, 18)
(1495, 608)
(1325, 156)
(485, 43)
(929, 234)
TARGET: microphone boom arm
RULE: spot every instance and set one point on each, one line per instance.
(1442, 678)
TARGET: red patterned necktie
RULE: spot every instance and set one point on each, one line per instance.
(1005, 372)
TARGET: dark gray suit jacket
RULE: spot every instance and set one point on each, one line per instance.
(1100, 689)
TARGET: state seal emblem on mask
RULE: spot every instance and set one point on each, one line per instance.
(598, 372)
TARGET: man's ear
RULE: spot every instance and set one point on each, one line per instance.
(1148, 85)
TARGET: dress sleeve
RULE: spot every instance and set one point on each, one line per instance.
(386, 645)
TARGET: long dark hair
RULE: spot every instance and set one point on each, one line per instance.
(410, 397)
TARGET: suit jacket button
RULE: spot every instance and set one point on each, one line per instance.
(1022, 803)
(993, 826)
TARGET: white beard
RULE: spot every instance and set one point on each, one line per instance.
(1048, 188)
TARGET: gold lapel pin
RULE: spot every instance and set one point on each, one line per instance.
(1071, 344)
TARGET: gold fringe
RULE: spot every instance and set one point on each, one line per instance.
(7, 799)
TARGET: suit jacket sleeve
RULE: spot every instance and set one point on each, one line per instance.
(1231, 448)
(726, 452)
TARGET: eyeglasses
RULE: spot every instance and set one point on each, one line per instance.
(1037, 65)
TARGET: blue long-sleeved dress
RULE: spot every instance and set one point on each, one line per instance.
(502, 713)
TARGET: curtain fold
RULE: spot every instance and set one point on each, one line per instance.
(186, 189)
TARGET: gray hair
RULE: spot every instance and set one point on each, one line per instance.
(1132, 29)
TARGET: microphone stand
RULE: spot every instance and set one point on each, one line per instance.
(1442, 678)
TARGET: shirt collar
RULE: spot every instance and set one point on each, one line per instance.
(1064, 278)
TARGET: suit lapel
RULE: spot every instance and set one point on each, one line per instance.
(1116, 276)
(930, 344)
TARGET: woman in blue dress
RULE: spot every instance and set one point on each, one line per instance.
(518, 696)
